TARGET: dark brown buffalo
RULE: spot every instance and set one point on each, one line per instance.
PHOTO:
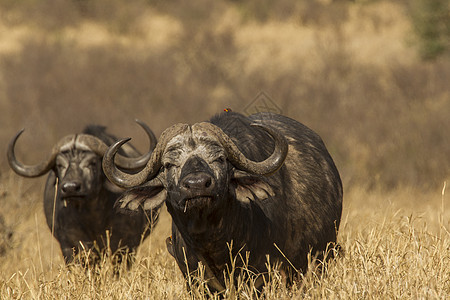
(265, 184)
(81, 214)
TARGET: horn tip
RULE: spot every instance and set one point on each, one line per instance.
(119, 143)
(125, 140)
(17, 135)
(143, 125)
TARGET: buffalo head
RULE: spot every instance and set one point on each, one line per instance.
(194, 169)
(76, 163)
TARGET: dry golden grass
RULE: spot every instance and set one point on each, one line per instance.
(396, 245)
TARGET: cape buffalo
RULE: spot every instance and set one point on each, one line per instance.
(81, 214)
(264, 183)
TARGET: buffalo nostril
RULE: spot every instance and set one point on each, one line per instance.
(208, 182)
(199, 181)
(71, 187)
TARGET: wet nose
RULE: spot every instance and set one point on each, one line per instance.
(197, 182)
(71, 187)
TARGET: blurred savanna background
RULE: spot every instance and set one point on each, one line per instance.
(371, 77)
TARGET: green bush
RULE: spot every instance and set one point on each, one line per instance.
(431, 23)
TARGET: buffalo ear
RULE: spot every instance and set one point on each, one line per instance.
(148, 196)
(250, 187)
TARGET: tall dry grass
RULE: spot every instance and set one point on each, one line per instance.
(395, 245)
(345, 69)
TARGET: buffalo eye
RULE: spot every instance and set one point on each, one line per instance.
(220, 159)
(93, 163)
(167, 165)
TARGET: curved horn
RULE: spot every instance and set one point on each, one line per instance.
(238, 159)
(34, 170)
(141, 161)
(126, 180)
(128, 163)
(91, 143)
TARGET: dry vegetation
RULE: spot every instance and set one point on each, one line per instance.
(396, 245)
(349, 70)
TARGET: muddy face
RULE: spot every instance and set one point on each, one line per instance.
(79, 175)
(196, 171)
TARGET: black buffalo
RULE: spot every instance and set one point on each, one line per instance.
(81, 214)
(265, 184)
